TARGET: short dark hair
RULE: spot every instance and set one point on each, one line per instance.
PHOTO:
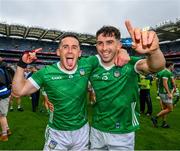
(69, 35)
(109, 31)
(169, 63)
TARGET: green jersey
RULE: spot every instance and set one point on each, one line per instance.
(117, 99)
(165, 74)
(67, 91)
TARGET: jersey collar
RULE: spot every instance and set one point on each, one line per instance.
(105, 67)
(66, 71)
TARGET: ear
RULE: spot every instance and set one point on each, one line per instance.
(58, 51)
(120, 45)
(80, 52)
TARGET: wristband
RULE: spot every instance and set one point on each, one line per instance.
(22, 64)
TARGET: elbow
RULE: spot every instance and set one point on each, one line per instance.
(16, 93)
(158, 67)
(161, 65)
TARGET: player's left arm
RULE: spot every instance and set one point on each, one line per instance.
(165, 84)
(174, 84)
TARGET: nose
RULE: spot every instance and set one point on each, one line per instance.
(104, 47)
(70, 50)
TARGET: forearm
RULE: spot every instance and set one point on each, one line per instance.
(18, 82)
(173, 83)
(155, 61)
(166, 87)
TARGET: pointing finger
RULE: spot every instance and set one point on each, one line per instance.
(130, 29)
(37, 50)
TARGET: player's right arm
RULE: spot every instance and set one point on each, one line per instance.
(21, 86)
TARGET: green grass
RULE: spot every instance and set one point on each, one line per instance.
(28, 129)
(150, 138)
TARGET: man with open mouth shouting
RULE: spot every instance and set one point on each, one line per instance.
(66, 84)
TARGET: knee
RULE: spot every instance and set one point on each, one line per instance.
(170, 109)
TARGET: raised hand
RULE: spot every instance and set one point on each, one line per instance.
(30, 56)
(143, 41)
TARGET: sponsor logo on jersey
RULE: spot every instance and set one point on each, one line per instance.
(82, 72)
(52, 144)
(56, 78)
(106, 73)
(105, 78)
(95, 76)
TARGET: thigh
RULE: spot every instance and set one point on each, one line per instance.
(57, 140)
(80, 138)
(4, 104)
(120, 141)
(165, 99)
(170, 106)
(164, 105)
(97, 141)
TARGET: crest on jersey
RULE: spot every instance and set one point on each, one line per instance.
(52, 144)
(117, 74)
(82, 72)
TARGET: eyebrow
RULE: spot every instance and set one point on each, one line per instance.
(105, 41)
(69, 45)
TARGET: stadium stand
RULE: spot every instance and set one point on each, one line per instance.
(14, 39)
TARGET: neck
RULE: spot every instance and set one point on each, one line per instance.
(107, 64)
(63, 68)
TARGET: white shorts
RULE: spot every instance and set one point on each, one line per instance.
(4, 104)
(106, 141)
(67, 140)
(165, 99)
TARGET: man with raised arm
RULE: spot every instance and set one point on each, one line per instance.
(116, 111)
(66, 84)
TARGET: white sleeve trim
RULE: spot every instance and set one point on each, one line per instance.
(135, 67)
(164, 77)
(34, 83)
